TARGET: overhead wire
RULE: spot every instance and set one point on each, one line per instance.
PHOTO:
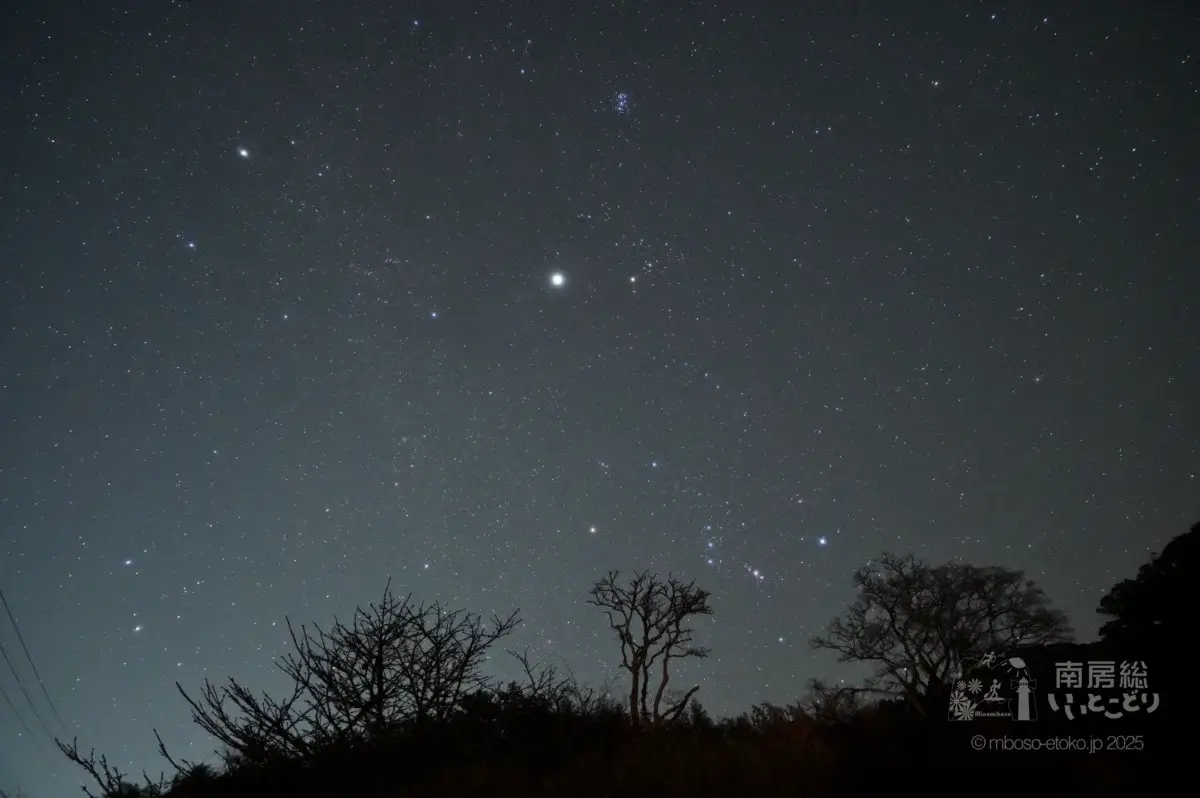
(17, 715)
(25, 692)
(33, 667)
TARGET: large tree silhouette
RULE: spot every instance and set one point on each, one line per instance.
(652, 620)
(916, 623)
(396, 663)
(1158, 605)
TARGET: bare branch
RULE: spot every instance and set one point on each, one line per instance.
(650, 617)
(918, 623)
(110, 780)
(392, 664)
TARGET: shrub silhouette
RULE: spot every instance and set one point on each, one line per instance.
(423, 720)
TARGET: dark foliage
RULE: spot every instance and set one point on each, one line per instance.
(1160, 604)
(513, 746)
(1152, 617)
(915, 624)
(547, 736)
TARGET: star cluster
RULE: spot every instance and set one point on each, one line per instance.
(489, 299)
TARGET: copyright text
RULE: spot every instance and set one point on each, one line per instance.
(1084, 744)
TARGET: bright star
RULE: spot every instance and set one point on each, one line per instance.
(558, 279)
(822, 541)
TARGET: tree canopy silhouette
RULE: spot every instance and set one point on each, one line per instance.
(916, 623)
(364, 687)
(395, 663)
(1159, 604)
(652, 620)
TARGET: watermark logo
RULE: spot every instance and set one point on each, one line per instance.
(1111, 690)
(1003, 687)
(993, 687)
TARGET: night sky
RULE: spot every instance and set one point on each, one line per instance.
(491, 298)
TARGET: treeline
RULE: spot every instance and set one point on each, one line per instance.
(396, 702)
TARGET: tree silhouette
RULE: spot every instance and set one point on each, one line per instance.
(544, 734)
(396, 663)
(916, 623)
(1159, 604)
(112, 782)
(829, 704)
(651, 617)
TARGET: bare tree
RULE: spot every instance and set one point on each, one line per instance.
(829, 704)
(557, 689)
(395, 663)
(917, 623)
(651, 618)
(112, 782)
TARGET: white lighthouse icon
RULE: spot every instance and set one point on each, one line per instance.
(1026, 703)
(970, 701)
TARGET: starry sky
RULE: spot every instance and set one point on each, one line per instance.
(489, 298)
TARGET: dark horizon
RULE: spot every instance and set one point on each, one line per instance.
(491, 300)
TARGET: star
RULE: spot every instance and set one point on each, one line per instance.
(243, 152)
(822, 541)
(558, 279)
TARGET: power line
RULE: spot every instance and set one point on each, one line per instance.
(21, 684)
(25, 648)
(16, 714)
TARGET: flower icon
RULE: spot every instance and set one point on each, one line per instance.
(961, 707)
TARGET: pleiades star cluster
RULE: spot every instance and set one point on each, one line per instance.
(490, 298)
